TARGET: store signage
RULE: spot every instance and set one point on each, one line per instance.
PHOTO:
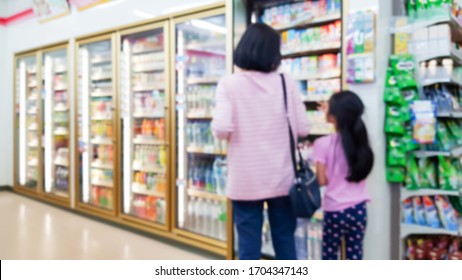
(47, 10)
(82, 5)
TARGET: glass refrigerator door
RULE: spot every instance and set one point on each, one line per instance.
(28, 117)
(144, 125)
(56, 123)
(96, 124)
(201, 158)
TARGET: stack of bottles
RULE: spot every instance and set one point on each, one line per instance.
(60, 82)
(199, 135)
(200, 100)
(101, 106)
(151, 104)
(207, 217)
(62, 178)
(313, 67)
(61, 118)
(104, 153)
(435, 212)
(208, 174)
(148, 62)
(149, 182)
(60, 100)
(149, 208)
(308, 239)
(103, 72)
(101, 129)
(434, 248)
(315, 38)
(101, 197)
(207, 64)
(148, 43)
(150, 157)
(151, 129)
(285, 15)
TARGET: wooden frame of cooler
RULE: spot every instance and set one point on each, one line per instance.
(39, 193)
(79, 204)
(164, 25)
(221, 247)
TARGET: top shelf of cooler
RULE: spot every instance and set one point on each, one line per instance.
(309, 22)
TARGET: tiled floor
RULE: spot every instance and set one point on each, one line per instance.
(33, 230)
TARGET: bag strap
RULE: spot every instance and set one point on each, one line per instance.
(291, 135)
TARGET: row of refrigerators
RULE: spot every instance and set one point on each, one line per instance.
(125, 132)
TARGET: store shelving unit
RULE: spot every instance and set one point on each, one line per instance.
(28, 124)
(56, 122)
(96, 115)
(145, 122)
(200, 208)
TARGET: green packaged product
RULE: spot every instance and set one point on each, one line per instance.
(394, 122)
(396, 154)
(393, 96)
(406, 113)
(395, 174)
(445, 141)
(447, 174)
(456, 132)
(421, 8)
(410, 95)
(402, 63)
(406, 80)
(409, 143)
(411, 12)
(432, 4)
(424, 175)
(412, 176)
(456, 202)
(391, 78)
(430, 173)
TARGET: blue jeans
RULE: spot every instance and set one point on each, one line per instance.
(248, 218)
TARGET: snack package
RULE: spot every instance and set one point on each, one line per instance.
(411, 9)
(431, 212)
(402, 64)
(447, 174)
(445, 141)
(419, 211)
(446, 213)
(396, 155)
(412, 176)
(423, 248)
(395, 174)
(408, 213)
(392, 93)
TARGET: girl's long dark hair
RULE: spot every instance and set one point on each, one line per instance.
(347, 108)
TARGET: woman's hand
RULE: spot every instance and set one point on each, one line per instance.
(323, 106)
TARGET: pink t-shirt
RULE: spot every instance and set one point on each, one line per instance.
(250, 114)
(340, 194)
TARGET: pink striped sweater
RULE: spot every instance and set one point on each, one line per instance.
(250, 115)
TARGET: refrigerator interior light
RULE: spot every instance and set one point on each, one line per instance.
(48, 124)
(85, 125)
(127, 127)
(142, 14)
(181, 130)
(199, 23)
(22, 124)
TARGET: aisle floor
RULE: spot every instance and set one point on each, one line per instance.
(33, 230)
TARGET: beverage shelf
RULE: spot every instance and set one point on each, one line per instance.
(101, 59)
(101, 76)
(61, 162)
(147, 50)
(410, 229)
(148, 169)
(194, 81)
(142, 68)
(148, 141)
(405, 193)
(102, 117)
(60, 88)
(205, 151)
(142, 190)
(102, 141)
(61, 109)
(141, 88)
(101, 94)
(61, 132)
(309, 22)
(140, 115)
(324, 48)
(106, 184)
(102, 165)
(205, 195)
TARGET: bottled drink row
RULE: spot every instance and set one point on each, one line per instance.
(206, 217)
(101, 176)
(327, 36)
(60, 99)
(206, 64)
(149, 182)
(150, 157)
(199, 135)
(102, 129)
(151, 129)
(148, 43)
(152, 104)
(200, 100)
(101, 106)
(62, 178)
(149, 208)
(208, 174)
(148, 62)
(148, 80)
(104, 153)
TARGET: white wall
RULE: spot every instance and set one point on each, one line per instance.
(5, 113)
(379, 230)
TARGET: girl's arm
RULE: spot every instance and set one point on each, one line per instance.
(321, 173)
(222, 124)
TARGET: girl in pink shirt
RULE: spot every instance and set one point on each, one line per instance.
(343, 161)
(250, 114)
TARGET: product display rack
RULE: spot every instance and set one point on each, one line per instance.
(433, 41)
(96, 144)
(200, 208)
(312, 34)
(145, 124)
(56, 131)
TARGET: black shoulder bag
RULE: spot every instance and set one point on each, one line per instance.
(304, 194)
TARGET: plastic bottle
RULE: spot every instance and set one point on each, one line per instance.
(300, 239)
(199, 215)
(191, 215)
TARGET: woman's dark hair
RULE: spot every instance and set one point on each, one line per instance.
(259, 49)
(347, 109)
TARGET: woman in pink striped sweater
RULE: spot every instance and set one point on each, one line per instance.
(250, 115)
